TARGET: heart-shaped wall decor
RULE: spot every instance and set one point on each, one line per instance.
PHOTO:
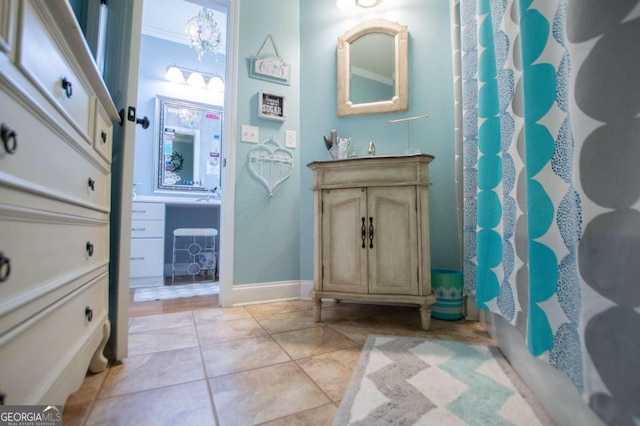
(270, 163)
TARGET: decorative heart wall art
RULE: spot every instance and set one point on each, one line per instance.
(270, 163)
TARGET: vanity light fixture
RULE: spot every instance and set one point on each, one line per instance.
(213, 82)
(203, 32)
(368, 3)
(352, 4)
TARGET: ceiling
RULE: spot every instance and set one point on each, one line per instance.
(165, 19)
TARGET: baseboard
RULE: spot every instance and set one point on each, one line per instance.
(305, 287)
(247, 294)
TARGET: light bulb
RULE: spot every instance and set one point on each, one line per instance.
(216, 84)
(174, 75)
(196, 79)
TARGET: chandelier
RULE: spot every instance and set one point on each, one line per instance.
(189, 117)
(203, 32)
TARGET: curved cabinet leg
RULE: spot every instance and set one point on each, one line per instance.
(99, 361)
(425, 317)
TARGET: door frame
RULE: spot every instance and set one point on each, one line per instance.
(227, 207)
(125, 64)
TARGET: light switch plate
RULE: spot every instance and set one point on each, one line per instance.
(290, 141)
(249, 134)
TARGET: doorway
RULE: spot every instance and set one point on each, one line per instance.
(165, 48)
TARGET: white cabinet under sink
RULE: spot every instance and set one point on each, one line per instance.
(147, 244)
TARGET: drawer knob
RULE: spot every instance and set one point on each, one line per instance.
(5, 268)
(88, 313)
(9, 139)
(92, 184)
(103, 136)
(66, 85)
(89, 248)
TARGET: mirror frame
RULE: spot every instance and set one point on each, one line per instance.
(161, 102)
(400, 101)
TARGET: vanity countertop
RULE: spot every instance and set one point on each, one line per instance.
(192, 201)
(373, 158)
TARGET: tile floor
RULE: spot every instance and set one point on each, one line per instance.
(191, 363)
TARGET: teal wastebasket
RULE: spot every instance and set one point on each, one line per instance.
(446, 285)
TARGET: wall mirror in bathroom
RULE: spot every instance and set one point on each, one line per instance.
(189, 146)
(373, 68)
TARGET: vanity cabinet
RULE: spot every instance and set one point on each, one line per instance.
(147, 244)
(56, 120)
(371, 231)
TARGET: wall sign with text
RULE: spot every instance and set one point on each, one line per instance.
(271, 106)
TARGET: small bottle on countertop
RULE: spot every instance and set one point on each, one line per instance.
(372, 148)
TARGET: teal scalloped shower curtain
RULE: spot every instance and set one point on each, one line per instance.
(548, 147)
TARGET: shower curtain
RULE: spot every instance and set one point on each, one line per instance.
(548, 148)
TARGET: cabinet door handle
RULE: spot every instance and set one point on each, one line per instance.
(370, 232)
(9, 139)
(138, 211)
(67, 86)
(88, 313)
(89, 248)
(92, 184)
(137, 258)
(5, 268)
(363, 232)
(103, 136)
(138, 229)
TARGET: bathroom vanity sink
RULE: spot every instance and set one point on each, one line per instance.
(371, 231)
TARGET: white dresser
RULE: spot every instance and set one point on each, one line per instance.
(55, 178)
(371, 231)
(147, 244)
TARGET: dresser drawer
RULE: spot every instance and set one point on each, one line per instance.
(147, 211)
(46, 64)
(147, 257)
(103, 135)
(147, 229)
(35, 354)
(49, 158)
(45, 251)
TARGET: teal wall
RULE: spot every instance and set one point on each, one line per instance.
(267, 244)
(430, 92)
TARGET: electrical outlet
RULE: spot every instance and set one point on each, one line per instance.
(290, 141)
(249, 134)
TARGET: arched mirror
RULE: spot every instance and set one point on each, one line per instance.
(372, 68)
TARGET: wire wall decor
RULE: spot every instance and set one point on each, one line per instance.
(270, 163)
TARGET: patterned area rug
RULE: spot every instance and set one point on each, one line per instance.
(413, 381)
(145, 294)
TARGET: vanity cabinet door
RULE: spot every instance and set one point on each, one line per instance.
(393, 248)
(344, 247)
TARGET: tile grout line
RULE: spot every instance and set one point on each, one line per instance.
(204, 371)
